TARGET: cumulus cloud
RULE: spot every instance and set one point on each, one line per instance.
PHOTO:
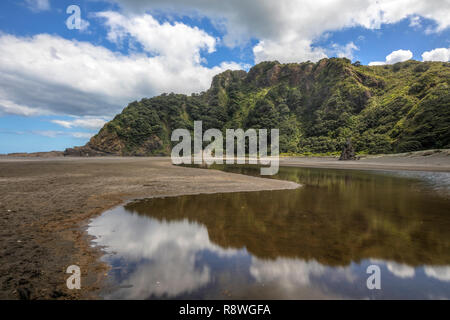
(286, 28)
(400, 270)
(440, 273)
(291, 274)
(287, 51)
(177, 42)
(394, 57)
(439, 54)
(288, 273)
(38, 5)
(47, 74)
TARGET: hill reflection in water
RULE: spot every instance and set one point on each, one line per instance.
(313, 242)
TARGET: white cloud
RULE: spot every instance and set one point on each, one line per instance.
(178, 42)
(49, 74)
(415, 22)
(291, 274)
(345, 51)
(439, 54)
(288, 273)
(286, 29)
(437, 272)
(400, 270)
(87, 123)
(399, 56)
(286, 52)
(394, 57)
(38, 5)
(9, 107)
(377, 63)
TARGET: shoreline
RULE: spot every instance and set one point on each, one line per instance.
(428, 160)
(366, 165)
(47, 204)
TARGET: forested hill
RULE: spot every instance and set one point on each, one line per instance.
(317, 106)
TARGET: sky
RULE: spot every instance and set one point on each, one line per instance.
(67, 67)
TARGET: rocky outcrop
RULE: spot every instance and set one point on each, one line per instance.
(348, 152)
(107, 141)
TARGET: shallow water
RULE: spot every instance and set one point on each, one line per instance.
(313, 242)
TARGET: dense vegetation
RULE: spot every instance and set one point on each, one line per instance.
(317, 106)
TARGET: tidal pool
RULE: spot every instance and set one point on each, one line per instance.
(314, 242)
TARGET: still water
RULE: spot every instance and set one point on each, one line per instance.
(314, 242)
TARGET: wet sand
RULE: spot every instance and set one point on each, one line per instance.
(45, 205)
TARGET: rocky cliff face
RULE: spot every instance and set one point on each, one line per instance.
(316, 106)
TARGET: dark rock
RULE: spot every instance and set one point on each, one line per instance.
(348, 152)
(24, 293)
(56, 294)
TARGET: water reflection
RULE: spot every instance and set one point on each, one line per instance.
(314, 242)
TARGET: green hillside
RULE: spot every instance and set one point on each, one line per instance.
(317, 106)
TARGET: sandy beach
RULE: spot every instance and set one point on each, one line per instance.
(46, 203)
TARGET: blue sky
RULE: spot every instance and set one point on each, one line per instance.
(58, 86)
